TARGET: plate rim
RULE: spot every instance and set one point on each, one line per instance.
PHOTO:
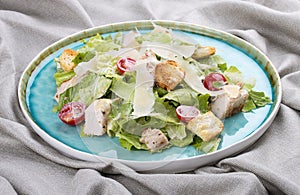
(140, 165)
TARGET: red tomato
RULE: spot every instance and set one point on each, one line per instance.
(72, 113)
(186, 113)
(211, 78)
(125, 64)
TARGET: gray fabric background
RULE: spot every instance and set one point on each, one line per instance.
(28, 165)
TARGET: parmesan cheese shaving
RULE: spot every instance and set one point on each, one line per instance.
(144, 98)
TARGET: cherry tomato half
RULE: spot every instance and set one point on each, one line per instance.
(186, 113)
(125, 64)
(211, 78)
(72, 113)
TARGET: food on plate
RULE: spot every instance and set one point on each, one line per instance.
(96, 116)
(230, 102)
(151, 90)
(154, 139)
(207, 126)
(66, 59)
(168, 74)
(72, 113)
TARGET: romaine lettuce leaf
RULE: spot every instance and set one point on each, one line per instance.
(203, 103)
(158, 37)
(187, 140)
(99, 44)
(249, 105)
(259, 98)
(83, 57)
(222, 65)
(206, 147)
(124, 87)
(128, 141)
(256, 99)
(90, 88)
(176, 131)
(61, 76)
(233, 75)
(183, 96)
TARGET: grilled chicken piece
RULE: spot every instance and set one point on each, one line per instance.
(203, 52)
(168, 74)
(229, 103)
(96, 116)
(154, 139)
(65, 59)
(207, 126)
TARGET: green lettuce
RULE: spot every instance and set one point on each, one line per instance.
(206, 147)
(83, 57)
(222, 65)
(176, 131)
(61, 76)
(99, 44)
(89, 89)
(187, 140)
(128, 141)
(183, 96)
(203, 102)
(233, 75)
(153, 36)
(124, 86)
(256, 99)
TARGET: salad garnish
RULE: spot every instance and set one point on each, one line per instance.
(151, 90)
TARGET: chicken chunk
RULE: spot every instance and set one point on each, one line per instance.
(168, 74)
(207, 126)
(96, 116)
(229, 103)
(65, 59)
(154, 139)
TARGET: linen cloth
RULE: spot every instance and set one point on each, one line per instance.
(28, 165)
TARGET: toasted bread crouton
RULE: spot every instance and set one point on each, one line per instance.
(66, 58)
(168, 74)
(154, 139)
(207, 126)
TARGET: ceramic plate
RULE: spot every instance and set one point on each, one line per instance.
(37, 89)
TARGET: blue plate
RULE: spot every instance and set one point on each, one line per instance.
(37, 89)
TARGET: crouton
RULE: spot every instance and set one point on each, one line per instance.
(168, 74)
(65, 59)
(207, 126)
